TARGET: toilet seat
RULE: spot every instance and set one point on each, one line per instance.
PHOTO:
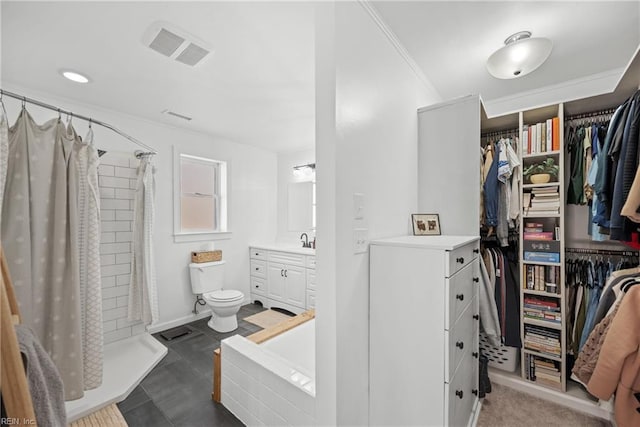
(223, 295)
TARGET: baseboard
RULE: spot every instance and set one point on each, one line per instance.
(576, 400)
(159, 327)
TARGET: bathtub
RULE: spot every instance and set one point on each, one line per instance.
(272, 383)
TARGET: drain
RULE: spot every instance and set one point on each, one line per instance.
(174, 333)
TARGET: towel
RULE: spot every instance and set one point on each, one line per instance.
(45, 383)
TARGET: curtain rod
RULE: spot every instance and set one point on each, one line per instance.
(607, 112)
(600, 252)
(71, 114)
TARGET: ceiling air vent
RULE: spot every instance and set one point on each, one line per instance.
(170, 41)
(174, 114)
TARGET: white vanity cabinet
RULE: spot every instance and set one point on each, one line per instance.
(423, 330)
(281, 278)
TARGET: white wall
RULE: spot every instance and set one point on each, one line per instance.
(373, 146)
(286, 162)
(252, 195)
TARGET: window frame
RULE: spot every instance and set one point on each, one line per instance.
(221, 177)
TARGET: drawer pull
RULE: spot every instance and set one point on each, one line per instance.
(460, 345)
(459, 393)
(476, 279)
(460, 260)
(257, 254)
(460, 297)
(476, 251)
(475, 354)
(257, 286)
(477, 317)
(257, 268)
(281, 273)
(285, 273)
(474, 391)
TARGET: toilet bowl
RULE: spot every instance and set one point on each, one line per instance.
(207, 279)
(224, 305)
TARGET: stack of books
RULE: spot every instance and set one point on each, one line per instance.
(541, 137)
(542, 278)
(541, 201)
(535, 231)
(542, 340)
(544, 371)
(541, 308)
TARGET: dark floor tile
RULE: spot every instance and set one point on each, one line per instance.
(239, 331)
(183, 402)
(172, 356)
(145, 415)
(200, 361)
(136, 398)
(202, 325)
(162, 382)
(250, 328)
(197, 342)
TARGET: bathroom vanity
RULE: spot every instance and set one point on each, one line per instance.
(283, 277)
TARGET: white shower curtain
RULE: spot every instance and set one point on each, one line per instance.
(4, 152)
(143, 294)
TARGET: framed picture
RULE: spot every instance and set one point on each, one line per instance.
(425, 224)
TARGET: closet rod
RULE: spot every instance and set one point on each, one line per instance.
(606, 112)
(500, 133)
(588, 251)
(25, 99)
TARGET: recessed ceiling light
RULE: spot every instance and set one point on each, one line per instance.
(74, 76)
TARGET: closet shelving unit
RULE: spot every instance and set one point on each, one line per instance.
(533, 330)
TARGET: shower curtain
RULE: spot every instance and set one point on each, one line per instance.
(143, 295)
(43, 217)
(4, 152)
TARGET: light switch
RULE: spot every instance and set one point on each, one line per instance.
(360, 236)
(358, 206)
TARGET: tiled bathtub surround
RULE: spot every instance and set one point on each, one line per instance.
(261, 387)
(117, 181)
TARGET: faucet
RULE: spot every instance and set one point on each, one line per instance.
(305, 242)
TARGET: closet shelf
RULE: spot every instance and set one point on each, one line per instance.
(537, 353)
(542, 323)
(557, 264)
(536, 155)
(541, 293)
(546, 184)
(541, 216)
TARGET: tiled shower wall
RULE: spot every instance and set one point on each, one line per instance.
(116, 176)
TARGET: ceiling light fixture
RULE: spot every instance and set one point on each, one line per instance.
(74, 76)
(520, 55)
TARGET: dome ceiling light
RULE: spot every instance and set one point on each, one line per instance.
(520, 55)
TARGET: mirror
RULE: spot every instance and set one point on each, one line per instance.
(300, 206)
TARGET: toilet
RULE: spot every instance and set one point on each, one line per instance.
(207, 279)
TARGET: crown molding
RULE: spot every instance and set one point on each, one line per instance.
(399, 47)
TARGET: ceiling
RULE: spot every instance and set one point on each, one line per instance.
(258, 85)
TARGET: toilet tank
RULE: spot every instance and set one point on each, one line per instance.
(206, 276)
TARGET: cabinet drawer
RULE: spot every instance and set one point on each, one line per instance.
(461, 257)
(459, 341)
(258, 254)
(258, 285)
(311, 279)
(311, 262)
(258, 268)
(286, 258)
(311, 299)
(461, 289)
(458, 396)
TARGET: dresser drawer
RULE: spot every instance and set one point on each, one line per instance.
(460, 290)
(311, 299)
(311, 262)
(311, 279)
(287, 258)
(458, 396)
(258, 268)
(258, 254)
(258, 285)
(460, 341)
(461, 257)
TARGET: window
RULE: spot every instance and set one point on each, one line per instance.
(201, 196)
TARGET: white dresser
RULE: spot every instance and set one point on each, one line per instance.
(423, 358)
(283, 278)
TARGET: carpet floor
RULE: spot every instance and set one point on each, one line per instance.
(505, 407)
(267, 318)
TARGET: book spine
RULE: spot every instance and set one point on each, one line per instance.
(549, 134)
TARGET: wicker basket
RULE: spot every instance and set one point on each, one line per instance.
(503, 357)
(206, 256)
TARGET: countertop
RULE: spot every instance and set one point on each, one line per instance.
(285, 248)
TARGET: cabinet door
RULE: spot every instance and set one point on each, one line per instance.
(275, 281)
(295, 286)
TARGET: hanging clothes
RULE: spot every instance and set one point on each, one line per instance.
(489, 320)
(39, 234)
(143, 293)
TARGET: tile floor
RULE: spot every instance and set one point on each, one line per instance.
(177, 392)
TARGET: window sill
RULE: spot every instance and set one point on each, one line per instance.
(200, 236)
